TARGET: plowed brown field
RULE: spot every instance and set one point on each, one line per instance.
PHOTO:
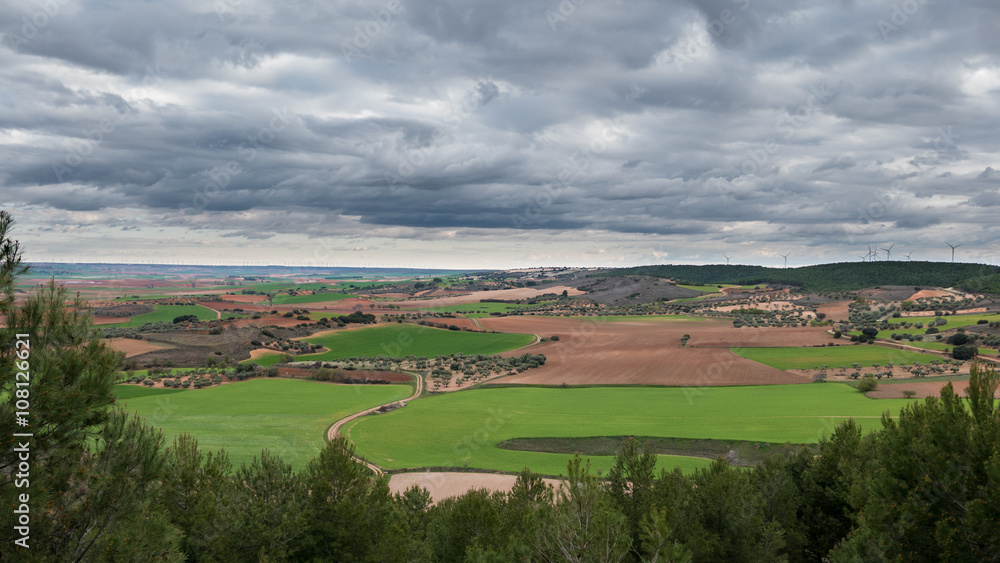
(476, 296)
(591, 351)
(133, 347)
(836, 311)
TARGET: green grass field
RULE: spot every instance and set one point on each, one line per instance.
(286, 299)
(833, 356)
(166, 314)
(412, 340)
(705, 288)
(289, 417)
(267, 360)
(462, 428)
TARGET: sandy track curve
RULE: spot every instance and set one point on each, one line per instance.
(334, 430)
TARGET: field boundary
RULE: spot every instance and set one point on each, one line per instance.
(334, 431)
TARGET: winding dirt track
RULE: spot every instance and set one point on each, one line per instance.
(334, 430)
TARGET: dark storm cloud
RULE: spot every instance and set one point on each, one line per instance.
(788, 121)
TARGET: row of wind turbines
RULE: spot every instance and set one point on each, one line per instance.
(872, 255)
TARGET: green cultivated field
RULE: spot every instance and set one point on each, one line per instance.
(833, 356)
(289, 417)
(462, 428)
(412, 340)
(286, 299)
(267, 360)
(167, 313)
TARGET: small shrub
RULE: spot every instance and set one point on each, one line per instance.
(867, 383)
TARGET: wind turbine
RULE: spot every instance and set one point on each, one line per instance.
(864, 257)
(727, 258)
(908, 255)
(785, 256)
(888, 252)
(953, 247)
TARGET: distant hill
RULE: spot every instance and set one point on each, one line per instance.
(841, 276)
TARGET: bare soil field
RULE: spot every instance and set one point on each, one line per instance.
(591, 351)
(476, 296)
(929, 293)
(133, 347)
(751, 337)
(266, 321)
(836, 311)
(110, 320)
(442, 485)
(244, 298)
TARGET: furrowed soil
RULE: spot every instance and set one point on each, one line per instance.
(133, 347)
(442, 485)
(836, 311)
(591, 351)
(476, 296)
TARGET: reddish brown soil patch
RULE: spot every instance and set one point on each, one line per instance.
(836, 311)
(133, 347)
(442, 485)
(268, 321)
(110, 320)
(476, 296)
(591, 351)
(244, 298)
(929, 293)
(750, 337)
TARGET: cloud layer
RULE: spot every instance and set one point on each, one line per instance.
(491, 134)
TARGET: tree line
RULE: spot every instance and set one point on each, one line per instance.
(843, 276)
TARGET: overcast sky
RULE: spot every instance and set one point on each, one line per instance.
(468, 134)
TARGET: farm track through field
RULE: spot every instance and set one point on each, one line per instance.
(218, 314)
(334, 430)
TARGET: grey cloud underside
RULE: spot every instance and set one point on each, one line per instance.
(668, 118)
